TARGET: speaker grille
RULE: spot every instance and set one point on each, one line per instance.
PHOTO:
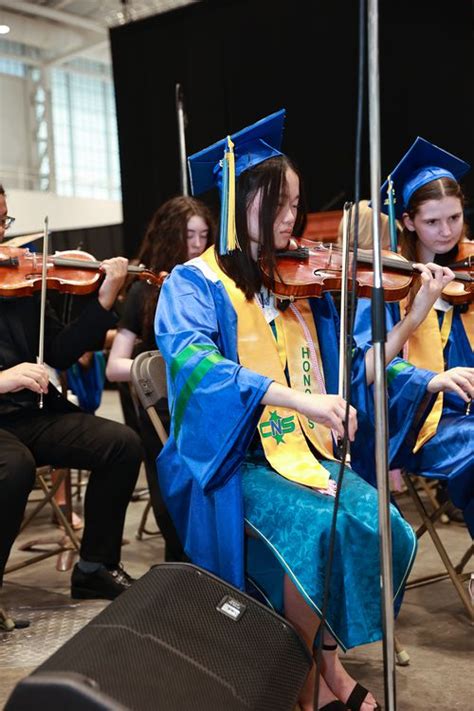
(164, 645)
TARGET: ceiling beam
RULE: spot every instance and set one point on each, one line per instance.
(62, 3)
(67, 56)
(65, 18)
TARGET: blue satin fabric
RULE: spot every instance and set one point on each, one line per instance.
(449, 455)
(293, 524)
(88, 383)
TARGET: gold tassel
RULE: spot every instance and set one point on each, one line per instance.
(232, 241)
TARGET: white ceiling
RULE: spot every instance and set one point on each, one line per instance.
(60, 30)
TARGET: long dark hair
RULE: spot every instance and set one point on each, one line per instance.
(269, 177)
(165, 244)
(435, 190)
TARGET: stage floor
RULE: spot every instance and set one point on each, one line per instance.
(432, 626)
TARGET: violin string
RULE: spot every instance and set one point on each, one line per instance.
(396, 264)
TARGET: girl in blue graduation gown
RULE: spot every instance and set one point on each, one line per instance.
(249, 472)
(429, 202)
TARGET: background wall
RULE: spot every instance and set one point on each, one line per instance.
(238, 60)
(15, 129)
(29, 208)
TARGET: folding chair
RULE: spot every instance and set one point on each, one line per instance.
(67, 543)
(454, 572)
(149, 384)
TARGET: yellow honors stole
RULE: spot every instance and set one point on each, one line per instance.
(425, 349)
(281, 429)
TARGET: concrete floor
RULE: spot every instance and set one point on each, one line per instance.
(433, 625)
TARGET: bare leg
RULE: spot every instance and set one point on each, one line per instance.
(61, 498)
(338, 680)
(306, 622)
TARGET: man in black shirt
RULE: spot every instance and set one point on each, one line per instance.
(59, 433)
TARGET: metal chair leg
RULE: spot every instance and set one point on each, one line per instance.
(67, 542)
(142, 527)
(451, 571)
(401, 655)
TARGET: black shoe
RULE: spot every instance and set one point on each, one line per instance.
(7, 623)
(103, 583)
(454, 514)
(451, 511)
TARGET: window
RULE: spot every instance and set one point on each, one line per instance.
(12, 66)
(15, 65)
(85, 132)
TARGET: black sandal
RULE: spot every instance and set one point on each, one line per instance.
(358, 693)
(357, 698)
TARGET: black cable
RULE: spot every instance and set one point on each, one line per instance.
(348, 339)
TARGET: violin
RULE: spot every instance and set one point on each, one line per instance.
(69, 272)
(316, 267)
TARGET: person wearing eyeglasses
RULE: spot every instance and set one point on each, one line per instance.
(6, 220)
(61, 434)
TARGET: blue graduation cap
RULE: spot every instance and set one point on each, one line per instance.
(422, 163)
(220, 164)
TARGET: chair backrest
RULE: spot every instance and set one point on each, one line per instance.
(149, 378)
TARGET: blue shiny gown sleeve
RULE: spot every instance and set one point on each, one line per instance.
(215, 406)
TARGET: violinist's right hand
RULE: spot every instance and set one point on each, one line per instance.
(458, 380)
(30, 376)
(328, 410)
(331, 489)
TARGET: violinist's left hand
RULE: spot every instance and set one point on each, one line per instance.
(115, 274)
(434, 278)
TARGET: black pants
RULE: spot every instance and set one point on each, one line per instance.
(112, 452)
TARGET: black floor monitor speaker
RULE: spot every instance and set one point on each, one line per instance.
(179, 639)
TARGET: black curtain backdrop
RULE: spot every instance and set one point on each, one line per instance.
(239, 60)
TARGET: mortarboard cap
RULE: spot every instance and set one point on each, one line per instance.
(252, 145)
(422, 163)
(222, 163)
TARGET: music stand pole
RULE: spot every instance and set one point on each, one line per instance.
(380, 384)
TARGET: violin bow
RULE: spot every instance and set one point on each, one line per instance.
(44, 274)
(346, 331)
(343, 375)
(344, 385)
(181, 117)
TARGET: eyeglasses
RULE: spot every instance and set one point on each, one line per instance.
(6, 222)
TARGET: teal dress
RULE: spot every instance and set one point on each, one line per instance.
(290, 527)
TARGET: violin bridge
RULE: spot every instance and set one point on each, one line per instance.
(330, 254)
